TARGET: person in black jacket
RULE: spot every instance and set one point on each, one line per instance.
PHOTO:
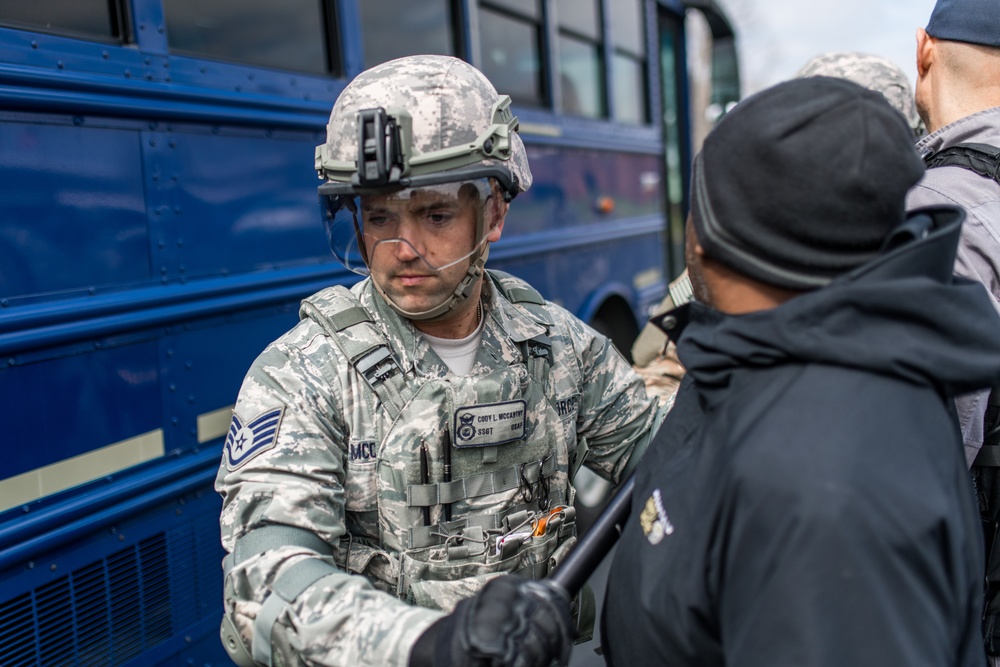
(807, 501)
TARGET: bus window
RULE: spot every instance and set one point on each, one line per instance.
(675, 149)
(628, 39)
(93, 19)
(397, 28)
(290, 35)
(510, 34)
(581, 68)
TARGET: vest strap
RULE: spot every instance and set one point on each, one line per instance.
(982, 159)
(367, 350)
(498, 481)
(420, 537)
(349, 317)
(988, 456)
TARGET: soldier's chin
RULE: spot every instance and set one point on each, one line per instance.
(411, 303)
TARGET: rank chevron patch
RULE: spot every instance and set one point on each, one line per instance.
(246, 439)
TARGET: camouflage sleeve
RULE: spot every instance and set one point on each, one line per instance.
(616, 416)
(284, 466)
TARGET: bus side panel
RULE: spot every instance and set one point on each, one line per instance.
(72, 207)
(68, 403)
(204, 363)
(135, 592)
(228, 201)
(126, 569)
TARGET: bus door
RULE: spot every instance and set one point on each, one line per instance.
(690, 103)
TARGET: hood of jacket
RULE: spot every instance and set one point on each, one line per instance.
(903, 314)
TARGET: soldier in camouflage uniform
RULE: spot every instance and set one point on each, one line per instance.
(413, 438)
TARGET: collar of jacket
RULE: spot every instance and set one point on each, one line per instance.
(981, 127)
(506, 326)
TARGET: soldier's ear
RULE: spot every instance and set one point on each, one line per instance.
(496, 210)
(926, 52)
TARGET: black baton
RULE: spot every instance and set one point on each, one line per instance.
(570, 576)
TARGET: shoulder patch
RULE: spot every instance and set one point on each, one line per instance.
(246, 439)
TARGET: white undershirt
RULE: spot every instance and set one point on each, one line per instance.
(459, 354)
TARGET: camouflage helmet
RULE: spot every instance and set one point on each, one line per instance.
(407, 125)
(872, 72)
(450, 119)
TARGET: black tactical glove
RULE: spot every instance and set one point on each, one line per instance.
(511, 622)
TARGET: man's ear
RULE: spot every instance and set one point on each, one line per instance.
(498, 213)
(925, 52)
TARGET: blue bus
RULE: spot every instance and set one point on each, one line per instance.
(160, 225)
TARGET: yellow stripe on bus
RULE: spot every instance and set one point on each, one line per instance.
(214, 424)
(95, 464)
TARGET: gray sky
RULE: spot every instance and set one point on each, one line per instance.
(777, 37)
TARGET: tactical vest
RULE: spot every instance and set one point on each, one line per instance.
(450, 480)
(984, 160)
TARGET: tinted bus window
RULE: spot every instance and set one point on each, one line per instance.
(85, 18)
(528, 8)
(627, 27)
(288, 35)
(581, 16)
(510, 48)
(397, 28)
(630, 89)
(628, 37)
(580, 77)
(581, 64)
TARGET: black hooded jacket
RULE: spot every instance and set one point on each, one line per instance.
(807, 501)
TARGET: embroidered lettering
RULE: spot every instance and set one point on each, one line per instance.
(361, 451)
(490, 424)
(568, 407)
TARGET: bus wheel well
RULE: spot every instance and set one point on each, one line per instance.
(615, 320)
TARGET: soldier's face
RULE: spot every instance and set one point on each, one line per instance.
(419, 242)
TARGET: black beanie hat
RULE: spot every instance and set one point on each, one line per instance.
(803, 181)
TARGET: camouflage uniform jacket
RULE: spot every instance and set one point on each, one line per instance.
(309, 466)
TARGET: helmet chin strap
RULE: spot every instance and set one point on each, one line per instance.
(459, 295)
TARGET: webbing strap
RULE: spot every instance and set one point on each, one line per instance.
(349, 317)
(265, 538)
(989, 456)
(515, 290)
(982, 159)
(366, 348)
(289, 585)
(429, 536)
(522, 295)
(440, 493)
(989, 453)
(270, 537)
(533, 570)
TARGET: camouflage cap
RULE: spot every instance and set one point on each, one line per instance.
(450, 103)
(872, 72)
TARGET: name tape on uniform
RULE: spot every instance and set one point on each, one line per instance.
(491, 424)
